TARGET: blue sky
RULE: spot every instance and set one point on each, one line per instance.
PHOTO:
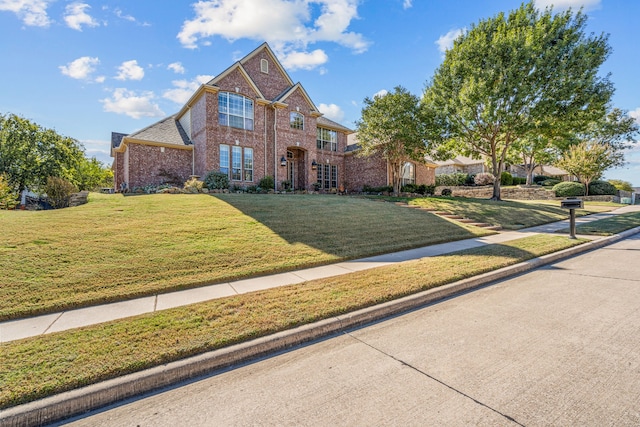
(86, 68)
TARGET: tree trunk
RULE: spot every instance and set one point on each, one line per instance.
(496, 183)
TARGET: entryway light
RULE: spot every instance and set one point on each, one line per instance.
(283, 161)
(314, 165)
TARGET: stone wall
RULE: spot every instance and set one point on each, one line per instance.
(516, 193)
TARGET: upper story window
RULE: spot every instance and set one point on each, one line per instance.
(235, 110)
(296, 120)
(327, 139)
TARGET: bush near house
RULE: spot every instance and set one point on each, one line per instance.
(59, 192)
(506, 178)
(602, 188)
(550, 182)
(216, 180)
(538, 179)
(484, 178)
(451, 179)
(267, 183)
(519, 181)
(569, 189)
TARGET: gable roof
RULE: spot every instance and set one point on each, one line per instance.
(167, 132)
(324, 122)
(297, 87)
(237, 66)
(265, 46)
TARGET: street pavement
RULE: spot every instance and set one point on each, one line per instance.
(557, 346)
(56, 322)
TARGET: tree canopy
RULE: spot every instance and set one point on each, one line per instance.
(392, 126)
(29, 154)
(523, 76)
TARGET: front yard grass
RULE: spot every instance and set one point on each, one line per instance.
(116, 248)
(608, 226)
(509, 214)
(37, 367)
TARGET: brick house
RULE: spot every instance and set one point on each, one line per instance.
(250, 121)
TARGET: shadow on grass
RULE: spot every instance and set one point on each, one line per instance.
(347, 227)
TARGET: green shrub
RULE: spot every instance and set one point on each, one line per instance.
(376, 190)
(506, 178)
(540, 178)
(59, 192)
(519, 181)
(621, 185)
(267, 183)
(484, 178)
(217, 180)
(451, 179)
(569, 189)
(550, 182)
(446, 192)
(602, 188)
(425, 189)
(8, 198)
(408, 188)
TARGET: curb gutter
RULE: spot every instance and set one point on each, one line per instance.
(75, 402)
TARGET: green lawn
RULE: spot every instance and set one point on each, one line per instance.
(45, 365)
(509, 214)
(608, 226)
(116, 247)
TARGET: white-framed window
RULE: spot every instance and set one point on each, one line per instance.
(236, 162)
(235, 111)
(328, 176)
(248, 164)
(224, 159)
(408, 173)
(264, 66)
(327, 139)
(296, 120)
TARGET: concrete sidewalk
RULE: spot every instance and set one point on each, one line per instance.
(56, 322)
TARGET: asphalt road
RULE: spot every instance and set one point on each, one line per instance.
(559, 346)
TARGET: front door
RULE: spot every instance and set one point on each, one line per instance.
(291, 168)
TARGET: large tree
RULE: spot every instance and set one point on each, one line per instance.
(392, 126)
(517, 76)
(29, 154)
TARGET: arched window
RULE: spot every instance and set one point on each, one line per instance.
(235, 110)
(296, 120)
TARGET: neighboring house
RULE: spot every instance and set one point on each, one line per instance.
(249, 122)
(375, 171)
(545, 170)
(461, 164)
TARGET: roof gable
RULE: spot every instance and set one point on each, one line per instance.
(282, 98)
(240, 69)
(266, 49)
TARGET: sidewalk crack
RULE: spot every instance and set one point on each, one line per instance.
(431, 377)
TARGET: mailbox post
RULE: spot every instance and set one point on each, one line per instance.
(572, 204)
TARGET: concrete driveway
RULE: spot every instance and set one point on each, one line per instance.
(555, 347)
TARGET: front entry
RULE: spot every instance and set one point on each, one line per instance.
(296, 168)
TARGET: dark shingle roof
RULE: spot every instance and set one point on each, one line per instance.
(167, 131)
(116, 139)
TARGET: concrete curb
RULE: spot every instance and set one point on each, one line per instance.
(75, 402)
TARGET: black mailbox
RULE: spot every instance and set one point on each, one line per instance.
(572, 204)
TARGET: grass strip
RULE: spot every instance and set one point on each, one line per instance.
(608, 226)
(37, 367)
(116, 248)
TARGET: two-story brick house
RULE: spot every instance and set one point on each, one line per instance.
(250, 121)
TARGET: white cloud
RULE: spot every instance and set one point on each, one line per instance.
(134, 105)
(380, 93)
(407, 4)
(183, 89)
(76, 16)
(120, 14)
(332, 112)
(176, 67)
(288, 25)
(81, 68)
(566, 4)
(130, 70)
(445, 42)
(303, 60)
(32, 12)
(635, 114)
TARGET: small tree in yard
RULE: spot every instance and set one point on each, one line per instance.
(392, 125)
(59, 192)
(8, 197)
(588, 161)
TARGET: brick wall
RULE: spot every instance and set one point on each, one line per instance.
(146, 163)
